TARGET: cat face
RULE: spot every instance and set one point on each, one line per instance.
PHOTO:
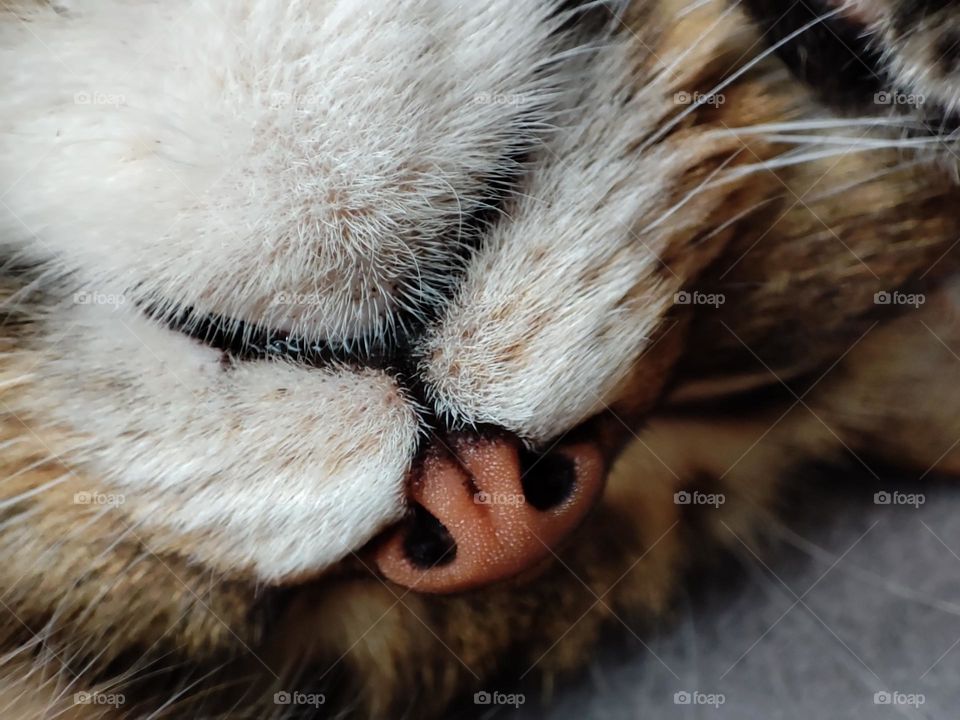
(281, 250)
(282, 278)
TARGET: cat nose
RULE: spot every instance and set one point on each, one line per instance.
(485, 508)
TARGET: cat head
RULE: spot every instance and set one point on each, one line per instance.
(303, 296)
(279, 259)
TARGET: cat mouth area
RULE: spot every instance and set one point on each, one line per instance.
(242, 341)
(483, 505)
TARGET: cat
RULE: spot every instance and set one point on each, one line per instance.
(327, 322)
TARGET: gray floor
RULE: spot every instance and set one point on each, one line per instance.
(863, 600)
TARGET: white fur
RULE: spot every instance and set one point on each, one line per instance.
(566, 295)
(220, 154)
(264, 466)
(234, 155)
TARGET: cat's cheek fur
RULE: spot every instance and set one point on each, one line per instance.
(261, 468)
(304, 164)
(562, 302)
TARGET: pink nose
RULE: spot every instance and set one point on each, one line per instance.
(484, 508)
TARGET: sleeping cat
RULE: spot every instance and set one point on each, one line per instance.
(360, 355)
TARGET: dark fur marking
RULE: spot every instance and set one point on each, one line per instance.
(947, 52)
(833, 56)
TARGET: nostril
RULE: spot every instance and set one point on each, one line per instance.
(547, 480)
(482, 509)
(428, 543)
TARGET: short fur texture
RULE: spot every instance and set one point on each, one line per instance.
(520, 205)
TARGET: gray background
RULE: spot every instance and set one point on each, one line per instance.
(880, 610)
